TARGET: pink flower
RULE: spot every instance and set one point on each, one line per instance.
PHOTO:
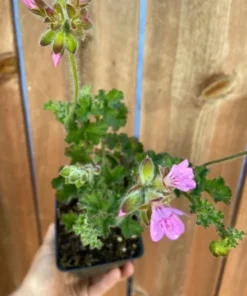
(180, 177)
(121, 213)
(164, 221)
(30, 4)
(56, 58)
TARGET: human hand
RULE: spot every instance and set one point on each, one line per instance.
(45, 279)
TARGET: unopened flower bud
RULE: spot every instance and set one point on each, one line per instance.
(145, 215)
(47, 38)
(132, 202)
(30, 4)
(218, 248)
(56, 58)
(71, 43)
(147, 170)
(59, 41)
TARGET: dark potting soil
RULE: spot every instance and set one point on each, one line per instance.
(72, 254)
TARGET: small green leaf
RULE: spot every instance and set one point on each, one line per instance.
(74, 133)
(60, 109)
(87, 231)
(69, 220)
(84, 107)
(67, 193)
(95, 131)
(70, 10)
(57, 183)
(130, 227)
(74, 176)
(61, 3)
(47, 38)
(66, 171)
(79, 153)
(85, 91)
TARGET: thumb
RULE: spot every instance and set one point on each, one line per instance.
(50, 236)
(105, 283)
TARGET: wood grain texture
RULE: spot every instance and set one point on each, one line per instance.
(18, 229)
(187, 43)
(234, 276)
(108, 58)
(44, 82)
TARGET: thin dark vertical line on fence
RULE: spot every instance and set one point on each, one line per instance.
(25, 105)
(140, 62)
(241, 181)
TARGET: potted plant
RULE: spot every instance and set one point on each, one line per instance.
(112, 188)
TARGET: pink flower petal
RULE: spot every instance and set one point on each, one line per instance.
(181, 177)
(156, 231)
(159, 212)
(30, 4)
(173, 227)
(121, 213)
(184, 164)
(56, 58)
(164, 221)
(178, 212)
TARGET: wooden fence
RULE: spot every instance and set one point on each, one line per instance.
(186, 43)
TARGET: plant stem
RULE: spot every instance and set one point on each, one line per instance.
(240, 154)
(188, 197)
(76, 89)
(103, 152)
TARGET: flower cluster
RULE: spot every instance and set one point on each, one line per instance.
(67, 23)
(158, 192)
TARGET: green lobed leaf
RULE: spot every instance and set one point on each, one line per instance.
(84, 108)
(207, 214)
(89, 234)
(60, 109)
(130, 227)
(69, 220)
(57, 183)
(95, 131)
(67, 193)
(79, 153)
(218, 190)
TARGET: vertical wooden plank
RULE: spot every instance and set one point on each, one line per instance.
(18, 229)
(108, 58)
(234, 279)
(234, 276)
(44, 82)
(186, 43)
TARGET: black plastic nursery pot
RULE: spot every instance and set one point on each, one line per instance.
(72, 256)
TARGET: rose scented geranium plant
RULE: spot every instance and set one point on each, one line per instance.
(112, 188)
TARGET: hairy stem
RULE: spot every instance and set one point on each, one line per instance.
(103, 152)
(188, 197)
(240, 154)
(76, 89)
